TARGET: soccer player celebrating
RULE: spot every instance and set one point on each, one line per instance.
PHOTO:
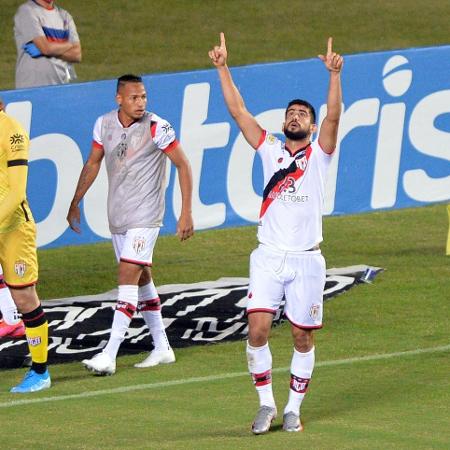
(18, 250)
(288, 261)
(135, 144)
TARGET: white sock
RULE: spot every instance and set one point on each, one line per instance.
(259, 361)
(7, 305)
(150, 308)
(302, 366)
(125, 308)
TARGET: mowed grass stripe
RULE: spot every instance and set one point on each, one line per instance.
(223, 376)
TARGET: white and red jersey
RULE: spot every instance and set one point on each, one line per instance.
(135, 160)
(294, 183)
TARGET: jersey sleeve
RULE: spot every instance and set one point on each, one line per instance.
(27, 25)
(163, 134)
(17, 146)
(320, 151)
(97, 141)
(73, 33)
(266, 143)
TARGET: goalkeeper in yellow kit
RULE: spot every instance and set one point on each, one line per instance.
(18, 249)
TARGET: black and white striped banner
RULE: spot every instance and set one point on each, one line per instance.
(197, 313)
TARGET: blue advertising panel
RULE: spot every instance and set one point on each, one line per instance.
(393, 144)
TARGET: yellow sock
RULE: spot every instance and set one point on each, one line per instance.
(37, 338)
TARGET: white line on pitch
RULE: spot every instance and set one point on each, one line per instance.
(223, 376)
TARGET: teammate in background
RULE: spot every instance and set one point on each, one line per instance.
(288, 260)
(47, 44)
(135, 144)
(18, 250)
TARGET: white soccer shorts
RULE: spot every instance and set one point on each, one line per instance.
(299, 276)
(136, 245)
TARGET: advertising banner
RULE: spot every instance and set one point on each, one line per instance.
(393, 149)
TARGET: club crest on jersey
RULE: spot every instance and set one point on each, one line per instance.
(20, 268)
(122, 147)
(301, 163)
(166, 127)
(17, 142)
(314, 312)
(270, 139)
(138, 244)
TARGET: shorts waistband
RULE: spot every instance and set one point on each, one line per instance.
(315, 249)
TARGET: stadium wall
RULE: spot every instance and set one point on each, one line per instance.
(393, 150)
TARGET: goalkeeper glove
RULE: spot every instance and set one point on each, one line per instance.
(32, 50)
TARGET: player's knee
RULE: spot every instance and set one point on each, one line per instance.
(303, 340)
(257, 337)
(25, 299)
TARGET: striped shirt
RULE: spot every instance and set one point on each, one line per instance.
(56, 25)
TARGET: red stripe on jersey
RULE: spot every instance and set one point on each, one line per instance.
(261, 139)
(96, 145)
(171, 146)
(153, 129)
(278, 188)
(57, 40)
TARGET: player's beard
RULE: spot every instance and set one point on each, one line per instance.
(295, 135)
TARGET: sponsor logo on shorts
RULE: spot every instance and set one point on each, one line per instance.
(139, 244)
(314, 312)
(34, 341)
(20, 268)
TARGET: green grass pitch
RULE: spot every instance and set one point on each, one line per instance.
(395, 400)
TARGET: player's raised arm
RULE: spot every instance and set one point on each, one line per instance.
(329, 128)
(233, 99)
(87, 177)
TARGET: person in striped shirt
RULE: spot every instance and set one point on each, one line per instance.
(47, 44)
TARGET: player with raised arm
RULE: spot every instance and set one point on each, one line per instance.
(135, 144)
(288, 261)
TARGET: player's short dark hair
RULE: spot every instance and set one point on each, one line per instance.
(298, 101)
(127, 78)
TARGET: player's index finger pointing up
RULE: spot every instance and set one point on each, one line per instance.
(330, 45)
(222, 39)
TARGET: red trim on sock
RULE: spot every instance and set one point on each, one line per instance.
(126, 308)
(262, 379)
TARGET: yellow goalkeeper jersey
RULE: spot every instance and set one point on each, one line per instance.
(14, 149)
